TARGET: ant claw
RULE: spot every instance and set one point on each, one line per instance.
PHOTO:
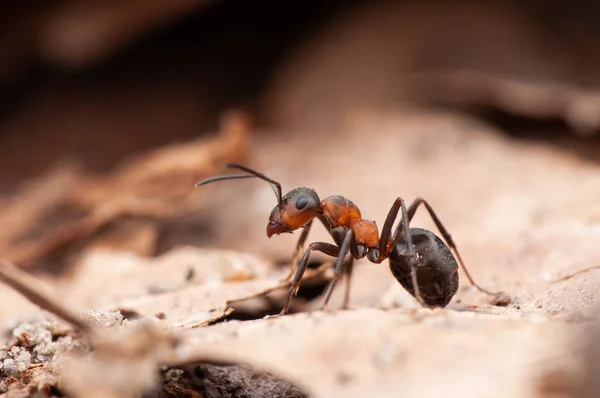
(326, 308)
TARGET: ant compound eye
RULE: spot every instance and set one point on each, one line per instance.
(301, 202)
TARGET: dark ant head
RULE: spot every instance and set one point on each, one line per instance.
(296, 209)
(293, 211)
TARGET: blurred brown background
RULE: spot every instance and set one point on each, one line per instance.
(99, 81)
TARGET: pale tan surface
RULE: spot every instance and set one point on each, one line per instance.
(386, 354)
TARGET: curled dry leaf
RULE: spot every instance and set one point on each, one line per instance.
(66, 208)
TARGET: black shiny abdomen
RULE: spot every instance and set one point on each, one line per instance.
(437, 274)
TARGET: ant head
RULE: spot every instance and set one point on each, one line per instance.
(296, 209)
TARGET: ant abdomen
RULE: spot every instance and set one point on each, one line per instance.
(437, 269)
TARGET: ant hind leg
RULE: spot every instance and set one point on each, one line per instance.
(411, 212)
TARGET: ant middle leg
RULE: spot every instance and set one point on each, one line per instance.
(403, 230)
(340, 265)
(348, 267)
(323, 247)
(409, 249)
(411, 212)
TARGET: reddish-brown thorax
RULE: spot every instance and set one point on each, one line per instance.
(340, 211)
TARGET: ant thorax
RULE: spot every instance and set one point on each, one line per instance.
(339, 211)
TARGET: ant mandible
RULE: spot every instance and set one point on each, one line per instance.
(419, 260)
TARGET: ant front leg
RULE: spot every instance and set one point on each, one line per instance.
(299, 246)
(411, 212)
(327, 248)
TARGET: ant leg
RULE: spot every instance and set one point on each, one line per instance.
(296, 253)
(411, 212)
(409, 250)
(339, 265)
(326, 248)
(387, 230)
(348, 267)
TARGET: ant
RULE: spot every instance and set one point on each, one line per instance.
(419, 260)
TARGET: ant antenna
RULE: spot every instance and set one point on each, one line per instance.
(262, 177)
(253, 173)
(223, 178)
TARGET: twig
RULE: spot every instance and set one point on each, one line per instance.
(581, 271)
(210, 321)
(36, 292)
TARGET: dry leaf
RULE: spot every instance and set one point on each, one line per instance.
(64, 210)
